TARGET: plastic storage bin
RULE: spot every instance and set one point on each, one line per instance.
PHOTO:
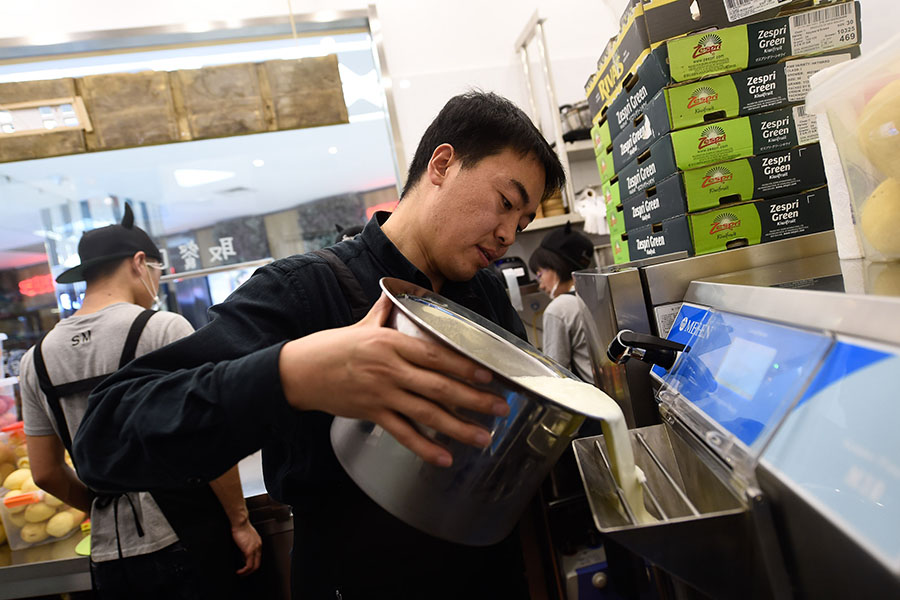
(861, 100)
(33, 517)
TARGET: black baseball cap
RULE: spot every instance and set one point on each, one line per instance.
(576, 248)
(112, 242)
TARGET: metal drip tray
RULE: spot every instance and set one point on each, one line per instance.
(708, 529)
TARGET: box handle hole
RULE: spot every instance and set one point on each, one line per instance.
(738, 243)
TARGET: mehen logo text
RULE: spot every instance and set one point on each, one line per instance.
(715, 176)
(710, 137)
(724, 222)
(708, 44)
(702, 95)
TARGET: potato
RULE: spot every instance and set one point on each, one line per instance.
(35, 513)
(51, 500)
(18, 520)
(33, 533)
(15, 479)
(29, 485)
(79, 515)
(5, 469)
(7, 453)
(14, 509)
(21, 451)
(23, 463)
(61, 523)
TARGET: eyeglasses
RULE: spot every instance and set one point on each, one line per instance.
(156, 265)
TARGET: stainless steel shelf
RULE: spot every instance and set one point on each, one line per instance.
(548, 222)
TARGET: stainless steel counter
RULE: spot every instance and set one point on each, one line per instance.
(56, 569)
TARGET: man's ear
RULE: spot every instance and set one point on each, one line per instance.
(443, 157)
(137, 262)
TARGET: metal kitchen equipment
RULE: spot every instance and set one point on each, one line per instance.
(776, 469)
(479, 499)
(645, 295)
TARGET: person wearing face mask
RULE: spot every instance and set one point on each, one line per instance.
(561, 252)
(143, 544)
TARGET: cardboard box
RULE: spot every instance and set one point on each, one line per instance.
(666, 19)
(638, 89)
(765, 176)
(663, 201)
(619, 244)
(742, 137)
(615, 218)
(605, 165)
(673, 235)
(750, 223)
(652, 166)
(618, 60)
(610, 190)
(650, 124)
(757, 44)
(752, 91)
(600, 135)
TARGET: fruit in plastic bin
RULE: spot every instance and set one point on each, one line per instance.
(29, 485)
(33, 533)
(878, 130)
(880, 213)
(15, 479)
(21, 451)
(78, 514)
(37, 512)
(14, 509)
(23, 463)
(7, 453)
(5, 469)
(61, 523)
(51, 500)
(17, 519)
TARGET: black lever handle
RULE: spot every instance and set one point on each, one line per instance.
(648, 348)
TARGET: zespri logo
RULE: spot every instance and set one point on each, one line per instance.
(708, 44)
(724, 222)
(715, 176)
(702, 95)
(711, 136)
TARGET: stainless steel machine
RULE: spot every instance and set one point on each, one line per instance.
(774, 471)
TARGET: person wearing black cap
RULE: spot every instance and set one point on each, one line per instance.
(560, 253)
(137, 537)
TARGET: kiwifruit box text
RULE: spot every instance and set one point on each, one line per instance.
(751, 223)
(764, 42)
(650, 76)
(765, 176)
(670, 236)
(752, 91)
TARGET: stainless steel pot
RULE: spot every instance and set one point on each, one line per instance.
(479, 499)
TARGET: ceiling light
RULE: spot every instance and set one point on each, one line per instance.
(332, 150)
(258, 162)
(195, 177)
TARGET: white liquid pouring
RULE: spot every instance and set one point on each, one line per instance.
(588, 400)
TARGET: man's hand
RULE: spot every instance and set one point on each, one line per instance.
(248, 541)
(371, 372)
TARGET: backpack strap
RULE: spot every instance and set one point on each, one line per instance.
(353, 292)
(134, 334)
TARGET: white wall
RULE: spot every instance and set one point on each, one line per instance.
(440, 48)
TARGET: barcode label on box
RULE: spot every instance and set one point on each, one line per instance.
(741, 9)
(824, 29)
(805, 124)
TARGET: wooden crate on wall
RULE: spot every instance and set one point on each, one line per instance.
(219, 101)
(306, 92)
(44, 143)
(130, 109)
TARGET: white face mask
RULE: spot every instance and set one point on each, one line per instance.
(553, 291)
(154, 297)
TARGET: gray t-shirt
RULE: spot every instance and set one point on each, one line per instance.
(87, 346)
(564, 339)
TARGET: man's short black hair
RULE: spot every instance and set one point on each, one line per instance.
(482, 124)
(542, 258)
(103, 270)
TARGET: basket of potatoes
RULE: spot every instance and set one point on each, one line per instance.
(32, 516)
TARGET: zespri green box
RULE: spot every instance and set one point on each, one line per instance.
(757, 177)
(764, 42)
(600, 135)
(750, 223)
(615, 218)
(605, 165)
(610, 190)
(752, 91)
(742, 137)
(619, 244)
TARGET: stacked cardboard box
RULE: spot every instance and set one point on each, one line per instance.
(711, 125)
